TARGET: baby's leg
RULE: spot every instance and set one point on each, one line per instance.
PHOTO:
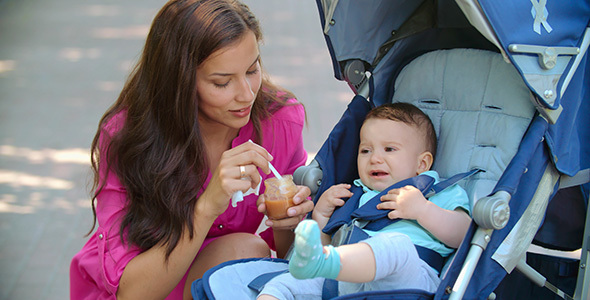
(354, 263)
(358, 263)
(309, 258)
(398, 264)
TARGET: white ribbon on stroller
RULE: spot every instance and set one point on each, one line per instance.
(515, 245)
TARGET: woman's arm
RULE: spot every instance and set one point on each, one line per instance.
(283, 240)
(150, 276)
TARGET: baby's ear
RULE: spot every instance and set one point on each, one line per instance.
(424, 162)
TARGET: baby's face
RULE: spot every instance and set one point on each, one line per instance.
(389, 152)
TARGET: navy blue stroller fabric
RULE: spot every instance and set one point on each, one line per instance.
(231, 280)
(339, 151)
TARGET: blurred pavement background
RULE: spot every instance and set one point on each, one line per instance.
(62, 63)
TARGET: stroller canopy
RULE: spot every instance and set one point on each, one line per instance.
(546, 41)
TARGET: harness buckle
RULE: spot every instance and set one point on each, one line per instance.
(344, 233)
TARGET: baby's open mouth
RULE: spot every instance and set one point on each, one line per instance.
(379, 173)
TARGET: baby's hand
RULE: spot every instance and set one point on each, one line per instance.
(329, 200)
(405, 203)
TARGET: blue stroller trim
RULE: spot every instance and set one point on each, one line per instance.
(339, 151)
(561, 25)
(407, 294)
(214, 283)
(330, 291)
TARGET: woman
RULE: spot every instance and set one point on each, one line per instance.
(169, 154)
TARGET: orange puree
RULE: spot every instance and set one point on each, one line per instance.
(279, 196)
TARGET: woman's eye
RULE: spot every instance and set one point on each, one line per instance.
(252, 72)
(221, 85)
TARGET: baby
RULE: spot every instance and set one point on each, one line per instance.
(397, 142)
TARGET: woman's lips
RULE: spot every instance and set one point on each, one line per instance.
(241, 113)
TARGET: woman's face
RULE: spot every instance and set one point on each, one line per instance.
(227, 84)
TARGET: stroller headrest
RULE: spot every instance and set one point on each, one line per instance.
(479, 106)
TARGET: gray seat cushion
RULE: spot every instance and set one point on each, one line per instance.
(480, 108)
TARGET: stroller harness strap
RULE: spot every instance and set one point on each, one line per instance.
(376, 219)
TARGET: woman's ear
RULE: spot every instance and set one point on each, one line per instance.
(424, 162)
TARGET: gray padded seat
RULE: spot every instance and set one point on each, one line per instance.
(480, 108)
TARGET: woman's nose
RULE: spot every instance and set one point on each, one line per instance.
(245, 92)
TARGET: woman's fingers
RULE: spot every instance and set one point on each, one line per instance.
(238, 167)
(303, 205)
(250, 174)
(303, 192)
(249, 153)
(296, 214)
(284, 224)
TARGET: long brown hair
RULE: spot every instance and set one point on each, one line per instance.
(159, 155)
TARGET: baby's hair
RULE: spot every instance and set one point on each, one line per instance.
(409, 114)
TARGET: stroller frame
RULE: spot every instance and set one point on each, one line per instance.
(364, 72)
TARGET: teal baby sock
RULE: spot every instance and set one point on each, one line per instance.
(309, 259)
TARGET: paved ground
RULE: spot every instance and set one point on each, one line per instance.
(62, 63)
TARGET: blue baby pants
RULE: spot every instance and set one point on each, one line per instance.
(398, 267)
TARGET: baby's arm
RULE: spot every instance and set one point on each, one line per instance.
(449, 226)
(326, 205)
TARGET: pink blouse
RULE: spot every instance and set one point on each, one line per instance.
(95, 271)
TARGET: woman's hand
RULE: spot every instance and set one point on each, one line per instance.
(283, 229)
(303, 205)
(237, 171)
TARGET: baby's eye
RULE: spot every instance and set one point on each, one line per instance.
(389, 149)
(364, 151)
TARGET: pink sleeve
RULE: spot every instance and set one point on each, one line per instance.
(104, 257)
(114, 253)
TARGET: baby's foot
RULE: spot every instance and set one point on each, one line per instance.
(309, 259)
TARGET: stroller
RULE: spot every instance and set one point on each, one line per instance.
(505, 84)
